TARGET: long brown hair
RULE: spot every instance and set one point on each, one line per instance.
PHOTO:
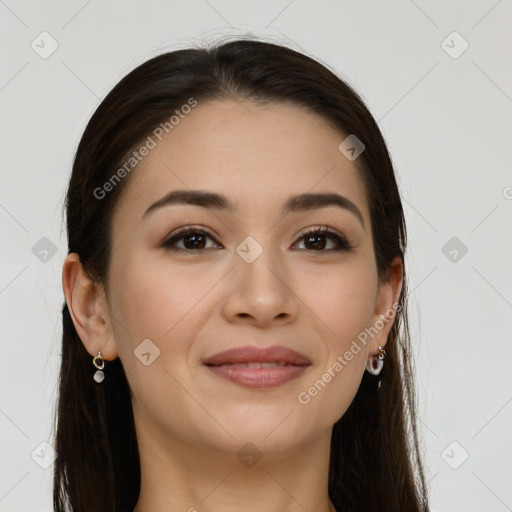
(375, 459)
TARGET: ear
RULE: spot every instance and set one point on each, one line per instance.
(386, 303)
(88, 307)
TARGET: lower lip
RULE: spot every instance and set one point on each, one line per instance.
(258, 378)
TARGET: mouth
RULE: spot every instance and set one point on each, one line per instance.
(258, 375)
(256, 364)
(258, 368)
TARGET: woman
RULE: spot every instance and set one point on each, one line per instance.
(235, 326)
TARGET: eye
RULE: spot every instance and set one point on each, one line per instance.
(193, 240)
(315, 238)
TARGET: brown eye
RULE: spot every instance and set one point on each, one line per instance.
(193, 240)
(315, 240)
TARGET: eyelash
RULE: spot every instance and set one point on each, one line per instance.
(343, 244)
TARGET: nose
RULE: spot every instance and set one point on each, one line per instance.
(261, 292)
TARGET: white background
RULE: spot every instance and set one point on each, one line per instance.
(447, 122)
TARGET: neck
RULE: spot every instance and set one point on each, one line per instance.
(180, 477)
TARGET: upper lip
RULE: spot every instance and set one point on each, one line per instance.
(250, 354)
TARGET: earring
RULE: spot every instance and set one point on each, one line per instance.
(374, 365)
(99, 363)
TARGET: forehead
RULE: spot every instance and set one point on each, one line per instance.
(257, 155)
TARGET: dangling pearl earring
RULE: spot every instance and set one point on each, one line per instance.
(99, 363)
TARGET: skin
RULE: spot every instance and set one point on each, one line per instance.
(191, 423)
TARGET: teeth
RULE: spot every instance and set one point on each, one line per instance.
(273, 365)
(257, 365)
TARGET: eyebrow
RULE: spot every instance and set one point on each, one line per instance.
(298, 203)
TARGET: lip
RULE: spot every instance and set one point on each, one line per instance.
(292, 365)
(250, 354)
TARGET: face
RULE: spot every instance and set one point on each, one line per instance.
(249, 276)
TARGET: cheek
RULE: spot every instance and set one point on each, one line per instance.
(166, 305)
(157, 299)
(344, 302)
